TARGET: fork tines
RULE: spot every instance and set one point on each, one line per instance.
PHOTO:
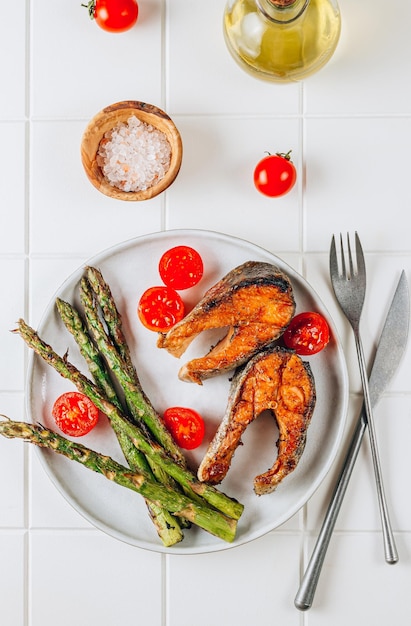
(355, 265)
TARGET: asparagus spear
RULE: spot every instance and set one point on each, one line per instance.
(140, 408)
(167, 526)
(74, 324)
(135, 458)
(150, 448)
(95, 285)
(112, 318)
(177, 503)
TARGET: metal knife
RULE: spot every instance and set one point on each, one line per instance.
(390, 349)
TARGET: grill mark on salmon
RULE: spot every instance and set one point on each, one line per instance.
(254, 300)
(275, 379)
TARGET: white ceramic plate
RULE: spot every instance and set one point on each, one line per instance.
(129, 268)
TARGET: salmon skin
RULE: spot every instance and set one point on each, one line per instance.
(275, 379)
(254, 300)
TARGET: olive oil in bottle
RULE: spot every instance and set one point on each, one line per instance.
(282, 40)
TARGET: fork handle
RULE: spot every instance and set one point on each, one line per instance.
(306, 592)
(391, 554)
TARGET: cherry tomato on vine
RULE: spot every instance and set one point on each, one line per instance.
(307, 333)
(160, 308)
(185, 425)
(275, 175)
(75, 414)
(114, 16)
(181, 267)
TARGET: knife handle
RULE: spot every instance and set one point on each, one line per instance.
(305, 595)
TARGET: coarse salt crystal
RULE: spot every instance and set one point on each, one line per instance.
(134, 156)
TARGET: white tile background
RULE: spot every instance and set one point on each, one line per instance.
(349, 128)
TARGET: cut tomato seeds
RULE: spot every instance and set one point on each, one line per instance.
(160, 308)
(75, 414)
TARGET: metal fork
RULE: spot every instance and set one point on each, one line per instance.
(349, 287)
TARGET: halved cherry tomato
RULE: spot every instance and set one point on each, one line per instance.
(185, 425)
(275, 175)
(307, 333)
(75, 414)
(114, 16)
(160, 308)
(181, 267)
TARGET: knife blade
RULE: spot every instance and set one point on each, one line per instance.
(391, 347)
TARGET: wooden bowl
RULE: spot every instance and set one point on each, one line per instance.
(105, 121)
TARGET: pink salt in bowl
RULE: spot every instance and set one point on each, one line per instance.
(131, 151)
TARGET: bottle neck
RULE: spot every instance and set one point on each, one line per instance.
(282, 11)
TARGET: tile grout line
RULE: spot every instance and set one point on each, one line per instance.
(302, 169)
(163, 226)
(164, 588)
(302, 230)
(164, 96)
(27, 269)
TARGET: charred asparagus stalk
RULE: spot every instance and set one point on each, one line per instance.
(205, 517)
(150, 449)
(114, 347)
(167, 526)
(112, 318)
(140, 408)
(75, 325)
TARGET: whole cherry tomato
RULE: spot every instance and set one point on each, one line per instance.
(181, 267)
(185, 425)
(275, 175)
(75, 414)
(307, 333)
(114, 16)
(160, 308)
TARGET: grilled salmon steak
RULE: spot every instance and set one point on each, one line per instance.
(254, 301)
(275, 379)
